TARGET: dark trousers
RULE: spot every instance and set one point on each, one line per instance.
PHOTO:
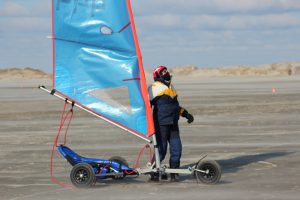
(169, 134)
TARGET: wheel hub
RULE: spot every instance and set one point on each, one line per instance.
(81, 176)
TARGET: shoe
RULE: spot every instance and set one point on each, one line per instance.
(154, 177)
(174, 177)
(164, 176)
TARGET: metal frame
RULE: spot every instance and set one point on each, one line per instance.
(156, 166)
(156, 153)
(164, 169)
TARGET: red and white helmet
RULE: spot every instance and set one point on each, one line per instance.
(158, 70)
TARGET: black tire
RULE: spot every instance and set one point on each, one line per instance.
(82, 175)
(119, 160)
(214, 172)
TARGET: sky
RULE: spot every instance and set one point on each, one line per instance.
(204, 33)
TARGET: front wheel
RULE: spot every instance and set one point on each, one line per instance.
(208, 172)
(82, 175)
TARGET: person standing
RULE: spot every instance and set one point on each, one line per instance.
(166, 113)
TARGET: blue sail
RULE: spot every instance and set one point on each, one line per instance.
(97, 61)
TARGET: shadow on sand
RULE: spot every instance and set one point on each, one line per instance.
(233, 165)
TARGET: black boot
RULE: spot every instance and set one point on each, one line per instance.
(174, 177)
(154, 177)
(164, 176)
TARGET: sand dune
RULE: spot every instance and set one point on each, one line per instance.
(25, 73)
(277, 69)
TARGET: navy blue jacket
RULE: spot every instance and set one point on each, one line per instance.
(166, 108)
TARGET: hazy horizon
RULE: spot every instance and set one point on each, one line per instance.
(206, 33)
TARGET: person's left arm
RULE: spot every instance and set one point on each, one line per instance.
(184, 113)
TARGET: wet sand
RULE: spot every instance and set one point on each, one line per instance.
(254, 135)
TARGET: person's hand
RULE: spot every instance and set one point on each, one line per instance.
(190, 118)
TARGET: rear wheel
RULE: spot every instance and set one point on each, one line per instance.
(209, 172)
(121, 161)
(82, 175)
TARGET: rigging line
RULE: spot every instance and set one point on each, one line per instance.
(66, 115)
(137, 162)
(64, 109)
(67, 128)
(106, 166)
(63, 119)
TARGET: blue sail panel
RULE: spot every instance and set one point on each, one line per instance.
(96, 62)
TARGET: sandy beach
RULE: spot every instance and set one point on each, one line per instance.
(249, 124)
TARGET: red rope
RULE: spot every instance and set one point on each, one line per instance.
(70, 119)
(137, 162)
(106, 166)
(64, 117)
